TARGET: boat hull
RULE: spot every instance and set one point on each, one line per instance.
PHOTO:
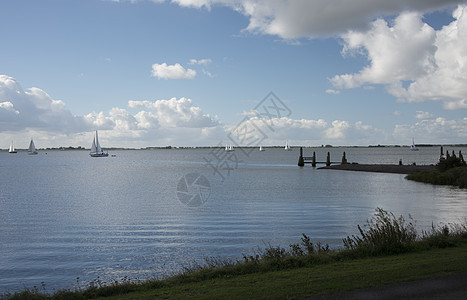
(99, 154)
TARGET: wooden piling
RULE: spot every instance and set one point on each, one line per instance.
(344, 159)
(301, 161)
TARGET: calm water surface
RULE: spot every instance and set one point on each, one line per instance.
(64, 215)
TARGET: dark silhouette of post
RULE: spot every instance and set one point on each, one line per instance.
(328, 160)
(313, 160)
(344, 159)
(301, 162)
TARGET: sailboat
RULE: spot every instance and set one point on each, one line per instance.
(229, 148)
(12, 148)
(413, 147)
(261, 148)
(32, 148)
(287, 146)
(96, 150)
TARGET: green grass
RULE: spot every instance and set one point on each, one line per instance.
(320, 279)
(387, 250)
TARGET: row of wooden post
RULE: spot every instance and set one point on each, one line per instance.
(302, 160)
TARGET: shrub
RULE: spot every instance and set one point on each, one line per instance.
(385, 234)
(451, 161)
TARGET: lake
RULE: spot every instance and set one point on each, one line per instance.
(67, 218)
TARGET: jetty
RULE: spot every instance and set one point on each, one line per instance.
(345, 166)
(302, 160)
(381, 168)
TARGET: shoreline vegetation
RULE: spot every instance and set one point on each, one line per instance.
(388, 249)
(450, 170)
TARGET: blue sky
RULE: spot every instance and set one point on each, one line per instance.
(186, 72)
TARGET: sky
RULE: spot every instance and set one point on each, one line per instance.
(214, 72)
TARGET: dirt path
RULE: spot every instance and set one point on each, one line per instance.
(445, 287)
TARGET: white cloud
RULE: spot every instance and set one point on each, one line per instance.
(333, 92)
(318, 18)
(436, 130)
(204, 61)
(179, 122)
(99, 120)
(32, 112)
(177, 71)
(33, 108)
(422, 115)
(396, 53)
(207, 73)
(414, 62)
(8, 106)
(338, 129)
(177, 113)
(317, 132)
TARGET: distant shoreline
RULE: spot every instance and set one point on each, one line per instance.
(79, 148)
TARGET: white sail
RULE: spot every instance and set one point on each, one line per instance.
(96, 150)
(287, 146)
(32, 148)
(99, 149)
(93, 147)
(12, 148)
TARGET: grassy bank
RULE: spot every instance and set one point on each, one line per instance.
(455, 177)
(316, 280)
(387, 250)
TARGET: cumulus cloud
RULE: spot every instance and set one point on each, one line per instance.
(435, 130)
(177, 121)
(415, 62)
(319, 18)
(316, 132)
(304, 18)
(177, 113)
(341, 132)
(177, 71)
(33, 108)
(33, 112)
(397, 53)
(8, 106)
